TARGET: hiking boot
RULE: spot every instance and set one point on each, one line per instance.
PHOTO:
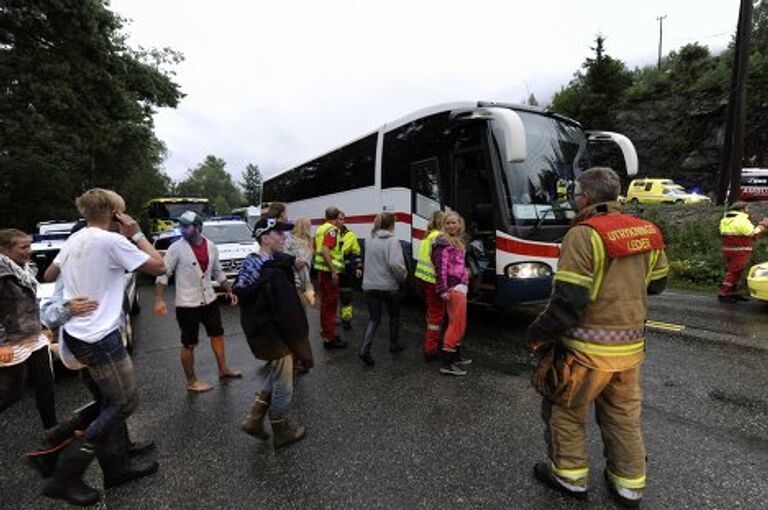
(367, 359)
(740, 297)
(254, 421)
(543, 474)
(429, 357)
(336, 343)
(449, 365)
(627, 498)
(727, 298)
(66, 482)
(284, 432)
(396, 347)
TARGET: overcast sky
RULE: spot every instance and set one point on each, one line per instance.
(279, 82)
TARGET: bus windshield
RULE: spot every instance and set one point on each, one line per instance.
(539, 188)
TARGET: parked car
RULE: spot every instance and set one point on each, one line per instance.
(661, 191)
(757, 281)
(45, 247)
(234, 239)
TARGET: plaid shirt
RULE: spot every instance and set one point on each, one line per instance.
(250, 271)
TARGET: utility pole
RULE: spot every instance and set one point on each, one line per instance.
(729, 180)
(661, 36)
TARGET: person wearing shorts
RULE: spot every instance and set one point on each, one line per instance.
(195, 262)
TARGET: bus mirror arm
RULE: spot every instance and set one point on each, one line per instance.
(624, 143)
(514, 134)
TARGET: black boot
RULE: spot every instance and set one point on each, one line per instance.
(112, 454)
(67, 483)
(449, 365)
(137, 448)
(44, 461)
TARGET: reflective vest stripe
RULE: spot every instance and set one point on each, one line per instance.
(605, 350)
(598, 252)
(659, 273)
(655, 254)
(424, 268)
(337, 258)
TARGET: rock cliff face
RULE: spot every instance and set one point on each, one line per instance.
(677, 138)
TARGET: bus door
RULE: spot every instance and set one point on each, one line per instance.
(426, 197)
(472, 197)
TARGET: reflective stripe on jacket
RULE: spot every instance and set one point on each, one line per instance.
(425, 270)
(337, 258)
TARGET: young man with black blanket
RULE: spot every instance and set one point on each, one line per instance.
(275, 325)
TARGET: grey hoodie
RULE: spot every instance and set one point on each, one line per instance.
(384, 263)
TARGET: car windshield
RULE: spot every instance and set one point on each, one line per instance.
(228, 233)
(539, 187)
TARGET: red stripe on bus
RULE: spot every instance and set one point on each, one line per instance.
(400, 217)
(519, 247)
(418, 233)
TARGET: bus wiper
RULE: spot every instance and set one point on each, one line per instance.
(552, 208)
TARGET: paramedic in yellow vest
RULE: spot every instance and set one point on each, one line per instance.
(737, 234)
(329, 263)
(425, 275)
(590, 341)
(353, 272)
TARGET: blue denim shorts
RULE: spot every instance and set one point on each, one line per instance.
(109, 349)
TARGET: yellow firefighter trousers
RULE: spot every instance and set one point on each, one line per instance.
(617, 398)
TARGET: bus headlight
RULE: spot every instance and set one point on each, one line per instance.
(528, 270)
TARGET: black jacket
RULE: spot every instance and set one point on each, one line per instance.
(271, 313)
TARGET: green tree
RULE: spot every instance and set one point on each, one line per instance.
(210, 180)
(76, 105)
(251, 184)
(532, 101)
(594, 94)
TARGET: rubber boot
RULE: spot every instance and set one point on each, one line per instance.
(67, 482)
(44, 461)
(460, 359)
(285, 433)
(254, 420)
(135, 449)
(112, 454)
(449, 364)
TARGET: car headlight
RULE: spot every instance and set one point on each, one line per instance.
(528, 270)
(760, 272)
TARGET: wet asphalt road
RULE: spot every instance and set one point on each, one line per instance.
(401, 436)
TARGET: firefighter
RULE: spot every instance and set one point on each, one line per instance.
(353, 271)
(425, 273)
(589, 341)
(329, 263)
(738, 235)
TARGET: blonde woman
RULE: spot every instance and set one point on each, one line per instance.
(300, 246)
(452, 278)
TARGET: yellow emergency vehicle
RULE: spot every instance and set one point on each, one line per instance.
(757, 281)
(661, 191)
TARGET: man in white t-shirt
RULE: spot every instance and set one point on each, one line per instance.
(93, 263)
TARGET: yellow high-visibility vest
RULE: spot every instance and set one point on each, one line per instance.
(424, 269)
(736, 224)
(337, 258)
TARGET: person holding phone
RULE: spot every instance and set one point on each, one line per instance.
(195, 261)
(93, 262)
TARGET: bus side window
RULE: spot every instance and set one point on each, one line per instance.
(426, 190)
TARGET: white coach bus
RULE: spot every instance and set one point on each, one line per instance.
(499, 165)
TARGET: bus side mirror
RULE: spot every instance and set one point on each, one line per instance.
(514, 134)
(624, 143)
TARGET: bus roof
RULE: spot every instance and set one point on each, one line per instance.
(433, 110)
